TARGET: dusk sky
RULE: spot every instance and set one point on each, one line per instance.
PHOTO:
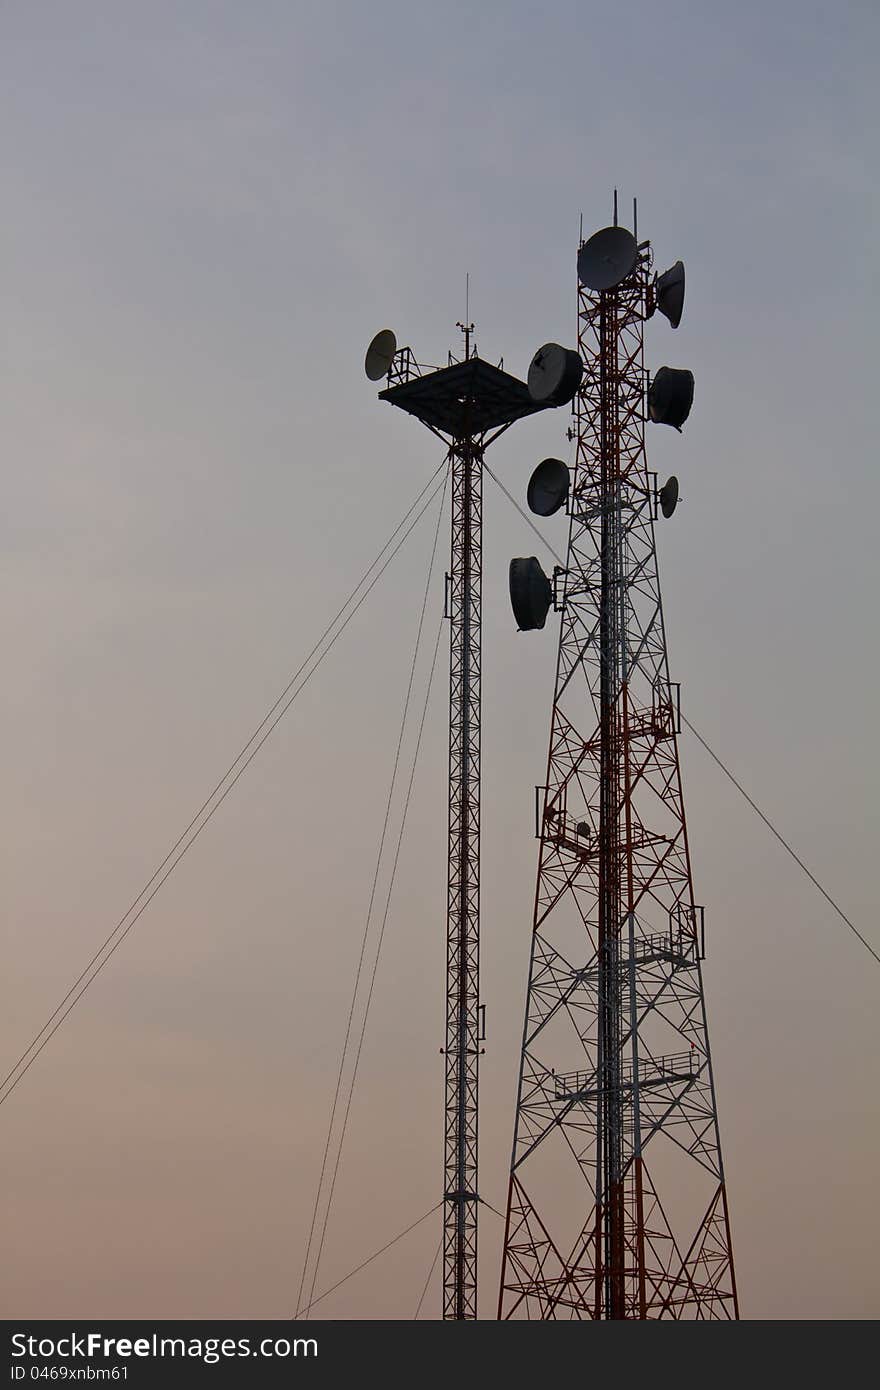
(209, 210)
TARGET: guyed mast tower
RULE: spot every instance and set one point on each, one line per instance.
(617, 1205)
(467, 404)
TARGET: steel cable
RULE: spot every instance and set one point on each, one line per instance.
(213, 802)
(428, 1280)
(378, 953)
(370, 1258)
(369, 915)
(740, 788)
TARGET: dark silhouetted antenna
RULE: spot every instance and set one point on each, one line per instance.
(380, 355)
(548, 487)
(607, 258)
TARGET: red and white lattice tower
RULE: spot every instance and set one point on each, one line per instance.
(617, 1205)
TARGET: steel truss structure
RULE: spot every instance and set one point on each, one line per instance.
(617, 1205)
(463, 905)
(468, 405)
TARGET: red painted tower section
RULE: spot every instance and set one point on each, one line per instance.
(617, 1205)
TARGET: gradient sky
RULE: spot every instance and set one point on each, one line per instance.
(209, 210)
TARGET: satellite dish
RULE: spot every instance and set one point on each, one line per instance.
(380, 355)
(668, 497)
(670, 396)
(548, 487)
(531, 593)
(554, 375)
(607, 258)
(669, 293)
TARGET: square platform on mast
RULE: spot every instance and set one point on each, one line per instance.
(466, 399)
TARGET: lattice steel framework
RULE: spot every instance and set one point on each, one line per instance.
(468, 404)
(617, 1204)
(463, 907)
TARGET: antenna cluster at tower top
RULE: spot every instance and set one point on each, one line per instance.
(611, 261)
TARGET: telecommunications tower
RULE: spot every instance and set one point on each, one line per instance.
(617, 1205)
(467, 404)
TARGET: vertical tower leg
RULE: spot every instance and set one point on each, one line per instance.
(463, 906)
